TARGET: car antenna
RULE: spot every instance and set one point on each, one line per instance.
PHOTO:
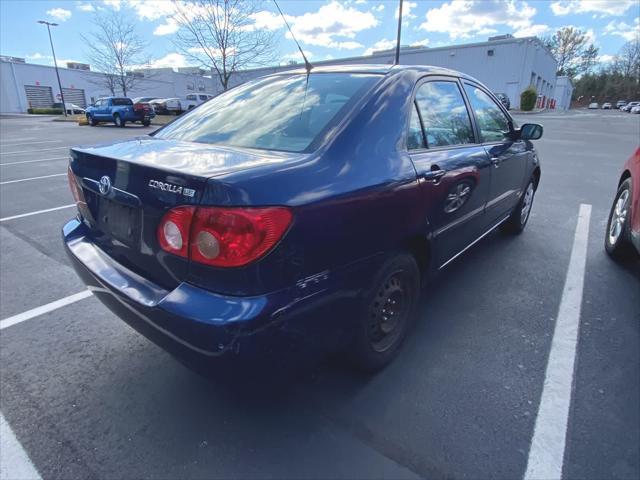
(397, 62)
(307, 64)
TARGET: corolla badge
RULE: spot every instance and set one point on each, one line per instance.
(104, 185)
(171, 188)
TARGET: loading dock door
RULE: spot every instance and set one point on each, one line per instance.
(38, 96)
(75, 96)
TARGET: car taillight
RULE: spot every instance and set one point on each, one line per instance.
(221, 236)
(73, 186)
(173, 231)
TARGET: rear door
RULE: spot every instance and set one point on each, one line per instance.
(508, 157)
(452, 167)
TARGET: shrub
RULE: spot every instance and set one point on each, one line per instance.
(528, 99)
(45, 111)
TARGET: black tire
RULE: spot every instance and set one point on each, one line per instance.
(617, 241)
(91, 121)
(118, 121)
(395, 291)
(146, 123)
(519, 218)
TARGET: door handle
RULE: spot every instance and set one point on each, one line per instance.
(496, 161)
(434, 176)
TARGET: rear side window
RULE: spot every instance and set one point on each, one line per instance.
(492, 122)
(284, 112)
(121, 101)
(444, 114)
(204, 97)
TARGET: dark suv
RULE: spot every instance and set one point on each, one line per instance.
(299, 212)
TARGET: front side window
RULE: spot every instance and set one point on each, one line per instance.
(444, 114)
(492, 122)
(191, 97)
(284, 112)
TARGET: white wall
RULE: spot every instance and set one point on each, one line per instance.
(563, 92)
(14, 76)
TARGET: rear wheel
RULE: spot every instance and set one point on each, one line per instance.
(617, 239)
(520, 215)
(118, 120)
(387, 313)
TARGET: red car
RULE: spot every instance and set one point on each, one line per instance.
(623, 227)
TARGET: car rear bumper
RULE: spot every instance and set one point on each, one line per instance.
(205, 329)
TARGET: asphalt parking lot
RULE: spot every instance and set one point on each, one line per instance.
(87, 397)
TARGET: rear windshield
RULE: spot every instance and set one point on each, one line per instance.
(277, 113)
(121, 101)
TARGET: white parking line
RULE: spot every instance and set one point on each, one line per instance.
(32, 178)
(31, 161)
(4, 144)
(20, 139)
(22, 215)
(15, 464)
(49, 307)
(546, 455)
(24, 152)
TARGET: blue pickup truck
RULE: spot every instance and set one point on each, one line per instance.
(119, 110)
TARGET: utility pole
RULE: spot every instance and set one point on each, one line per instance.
(55, 63)
(399, 30)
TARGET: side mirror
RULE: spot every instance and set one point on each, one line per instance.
(531, 131)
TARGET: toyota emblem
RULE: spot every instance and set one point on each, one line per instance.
(105, 185)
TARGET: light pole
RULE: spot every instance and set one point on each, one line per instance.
(55, 63)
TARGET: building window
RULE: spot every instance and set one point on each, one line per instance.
(190, 86)
(490, 52)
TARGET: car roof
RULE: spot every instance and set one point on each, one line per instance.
(380, 69)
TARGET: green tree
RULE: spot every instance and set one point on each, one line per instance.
(571, 50)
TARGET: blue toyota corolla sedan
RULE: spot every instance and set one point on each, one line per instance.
(299, 212)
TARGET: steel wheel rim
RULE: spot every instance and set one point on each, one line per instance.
(526, 204)
(618, 217)
(388, 313)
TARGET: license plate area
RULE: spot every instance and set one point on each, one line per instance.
(122, 222)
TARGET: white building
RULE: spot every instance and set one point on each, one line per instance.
(563, 92)
(24, 85)
(504, 63)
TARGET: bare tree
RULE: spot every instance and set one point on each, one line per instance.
(115, 49)
(627, 62)
(570, 48)
(220, 35)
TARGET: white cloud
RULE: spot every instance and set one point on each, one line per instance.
(467, 18)
(150, 9)
(624, 30)
(330, 23)
(606, 58)
(296, 56)
(602, 8)
(406, 11)
(167, 28)
(85, 7)
(115, 4)
(531, 30)
(59, 14)
(420, 43)
(269, 21)
(170, 60)
(36, 56)
(383, 44)
(378, 8)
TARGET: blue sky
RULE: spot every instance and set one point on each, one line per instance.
(327, 29)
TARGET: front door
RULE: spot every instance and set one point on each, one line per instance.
(453, 169)
(508, 157)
